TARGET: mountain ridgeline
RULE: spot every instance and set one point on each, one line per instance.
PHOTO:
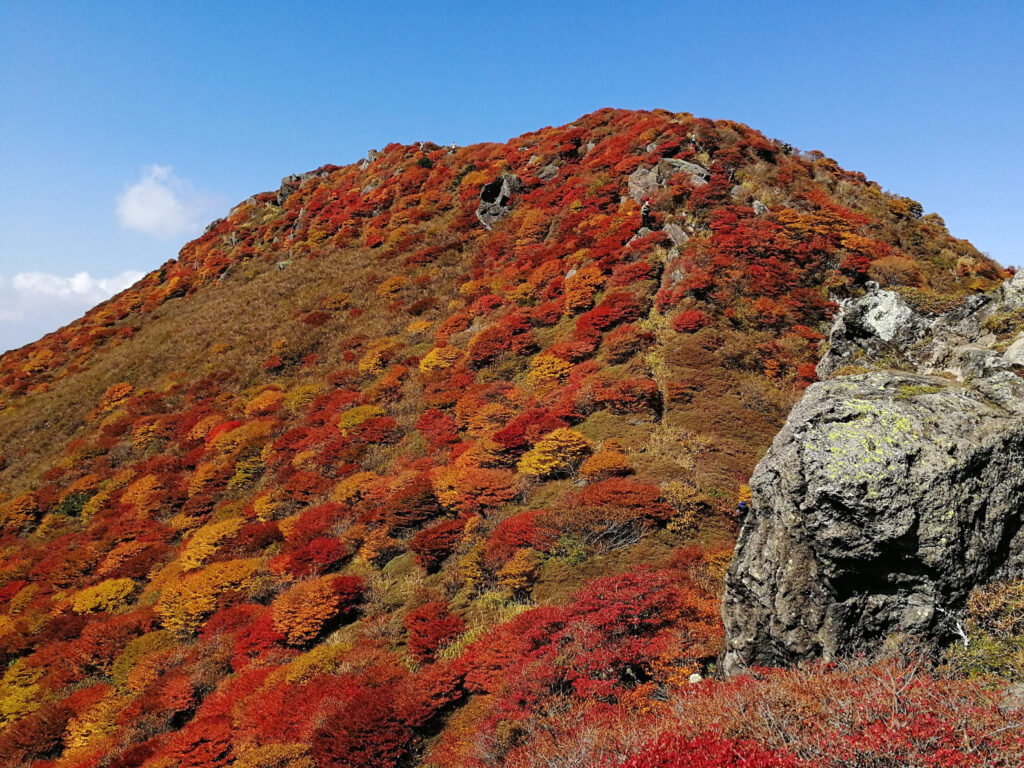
(433, 459)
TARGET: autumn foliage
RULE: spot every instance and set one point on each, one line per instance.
(356, 481)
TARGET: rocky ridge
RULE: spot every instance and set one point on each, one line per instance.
(892, 491)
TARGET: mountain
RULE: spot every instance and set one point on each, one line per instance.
(433, 460)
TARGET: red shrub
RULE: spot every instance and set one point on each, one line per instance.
(633, 395)
(430, 627)
(516, 532)
(671, 750)
(690, 320)
(432, 545)
(438, 427)
(361, 731)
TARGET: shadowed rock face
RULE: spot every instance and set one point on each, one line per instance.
(886, 497)
(496, 199)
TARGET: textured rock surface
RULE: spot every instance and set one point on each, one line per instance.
(888, 495)
(976, 339)
(643, 182)
(496, 199)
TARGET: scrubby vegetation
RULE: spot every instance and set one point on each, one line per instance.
(357, 481)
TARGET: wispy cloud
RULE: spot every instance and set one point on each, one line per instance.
(162, 204)
(35, 303)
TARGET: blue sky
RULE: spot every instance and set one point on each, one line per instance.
(126, 126)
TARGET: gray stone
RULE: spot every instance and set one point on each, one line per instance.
(644, 181)
(871, 326)
(496, 199)
(676, 233)
(548, 172)
(1014, 354)
(888, 495)
(880, 330)
(760, 209)
(1012, 700)
(289, 185)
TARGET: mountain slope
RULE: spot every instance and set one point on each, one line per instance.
(408, 457)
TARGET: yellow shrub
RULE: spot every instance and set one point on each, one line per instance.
(115, 396)
(145, 434)
(265, 505)
(187, 601)
(21, 600)
(378, 546)
(120, 555)
(300, 396)
(275, 756)
(353, 417)
(440, 359)
(545, 369)
(205, 540)
(557, 452)
(206, 473)
(470, 567)
(518, 575)
(581, 287)
(246, 470)
(691, 504)
(265, 402)
(204, 425)
(142, 494)
(354, 487)
(93, 725)
(378, 355)
(109, 595)
(418, 326)
(301, 612)
(336, 301)
(242, 435)
(323, 659)
(390, 288)
(605, 464)
(136, 650)
(95, 504)
(19, 693)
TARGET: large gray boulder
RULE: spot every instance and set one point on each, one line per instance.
(882, 502)
(888, 495)
(496, 199)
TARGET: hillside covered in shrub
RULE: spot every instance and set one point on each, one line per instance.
(433, 459)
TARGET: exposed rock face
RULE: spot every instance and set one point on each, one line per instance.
(888, 495)
(643, 182)
(982, 336)
(496, 199)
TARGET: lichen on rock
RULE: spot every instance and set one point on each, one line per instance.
(888, 495)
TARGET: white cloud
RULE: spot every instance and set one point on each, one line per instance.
(165, 205)
(80, 286)
(34, 303)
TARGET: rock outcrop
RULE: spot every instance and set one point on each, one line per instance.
(496, 199)
(888, 495)
(643, 182)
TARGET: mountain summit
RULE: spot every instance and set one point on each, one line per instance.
(433, 459)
